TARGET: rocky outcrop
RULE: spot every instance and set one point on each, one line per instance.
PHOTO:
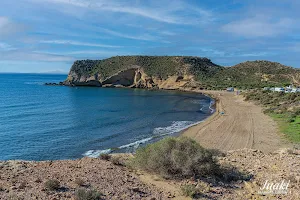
(133, 77)
(161, 72)
(175, 72)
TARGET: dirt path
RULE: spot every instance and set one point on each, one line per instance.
(243, 125)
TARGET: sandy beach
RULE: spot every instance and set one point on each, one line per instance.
(243, 125)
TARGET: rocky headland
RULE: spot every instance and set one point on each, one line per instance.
(176, 72)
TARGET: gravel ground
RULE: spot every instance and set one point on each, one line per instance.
(26, 180)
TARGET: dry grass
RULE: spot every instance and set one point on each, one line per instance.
(52, 185)
(83, 194)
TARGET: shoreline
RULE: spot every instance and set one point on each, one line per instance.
(215, 112)
(243, 125)
(190, 131)
(97, 153)
(93, 153)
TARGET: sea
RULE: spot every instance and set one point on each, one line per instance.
(39, 122)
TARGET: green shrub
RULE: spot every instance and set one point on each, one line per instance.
(290, 120)
(52, 185)
(176, 158)
(190, 191)
(117, 160)
(83, 194)
(105, 156)
(230, 173)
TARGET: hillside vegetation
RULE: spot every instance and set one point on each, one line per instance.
(283, 107)
(255, 74)
(246, 75)
(160, 66)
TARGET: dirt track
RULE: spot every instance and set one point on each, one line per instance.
(243, 125)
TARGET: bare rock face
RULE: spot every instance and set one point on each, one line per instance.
(175, 82)
(125, 78)
(134, 77)
(75, 79)
(142, 80)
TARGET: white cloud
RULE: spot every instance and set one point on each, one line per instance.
(168, 33)
(33, 56)
(69, 42)
(97, 53)
(8, 27)
(259, 27)
(175, 12)
(3, 22)
(84, 54)
(145, 37)
(144, 12)
(5, 47)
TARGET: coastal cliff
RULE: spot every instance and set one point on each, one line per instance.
(176, 72)
(161, 72)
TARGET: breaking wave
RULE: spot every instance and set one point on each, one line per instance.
(175, 127)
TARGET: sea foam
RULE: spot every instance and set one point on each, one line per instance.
(175, 127)
(96, 153)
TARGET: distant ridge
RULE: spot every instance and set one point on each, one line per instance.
(54, 72)
(257, 74)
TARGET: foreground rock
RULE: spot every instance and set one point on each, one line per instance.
(282, 165)
(26, 179)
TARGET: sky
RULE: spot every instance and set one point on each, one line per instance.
(43, 36)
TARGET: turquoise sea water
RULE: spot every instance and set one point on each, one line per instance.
(39, 122)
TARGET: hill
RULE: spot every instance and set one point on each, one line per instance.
(173, 72)
(258, 74)
(169, 72)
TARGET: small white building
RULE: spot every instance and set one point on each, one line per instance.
(294, 90)
(230, 89)
(279, 89)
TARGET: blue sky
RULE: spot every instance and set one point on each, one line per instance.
(49, 35)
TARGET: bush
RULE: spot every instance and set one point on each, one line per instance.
(176, 158)
(83, 194)
(190, 191)
(230, 173)
(117, 160)
(290, 120)
(52, 185)
(105, 156)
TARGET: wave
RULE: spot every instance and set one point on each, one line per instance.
(96, 153)
(136, 144)
(210, 106)
(175, 127)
